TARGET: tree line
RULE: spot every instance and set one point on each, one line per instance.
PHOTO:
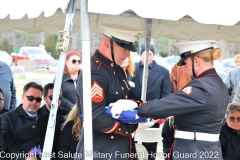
(11, 41)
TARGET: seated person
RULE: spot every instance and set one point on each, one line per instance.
(2, 109)
(70, 134)
(2, 142)
(229, 135)
(61, 113)
(25, 127)
(168, 136)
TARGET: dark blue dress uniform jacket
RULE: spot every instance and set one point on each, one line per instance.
(201, 110)
(109, 135)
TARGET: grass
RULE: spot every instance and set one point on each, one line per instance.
(19, 91)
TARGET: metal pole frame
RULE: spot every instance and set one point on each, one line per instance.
(86, 72)
(48, 142)
(145, 69)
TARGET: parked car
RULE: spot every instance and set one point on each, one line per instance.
(38, 54)
(136, 57)
(226, 65)
(5, 57)
(163, 63)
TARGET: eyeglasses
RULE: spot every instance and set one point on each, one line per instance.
(233, 119)
(1, 99)
(32, 98)
(51, 97)
(74, 61)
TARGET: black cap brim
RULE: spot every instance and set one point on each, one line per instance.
(181, 62)
(129, 47)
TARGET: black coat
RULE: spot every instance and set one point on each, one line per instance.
(68, 89)
(167, 136)
(3, 111)
(230, 143)
(61, 113)
(199, 107)
(158, 84)
(21, 132)
(68, 93)
(109, 84)
(2, 142)
(67, 143)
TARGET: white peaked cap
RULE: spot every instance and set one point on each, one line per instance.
(121, 32)
(194, 46)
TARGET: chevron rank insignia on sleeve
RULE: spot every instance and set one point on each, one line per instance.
(97, 92)
(187, 90)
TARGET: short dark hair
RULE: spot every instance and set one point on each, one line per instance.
(32, 85)
(1, 91)
(46, 88)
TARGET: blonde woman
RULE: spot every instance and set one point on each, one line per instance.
(198, 109)
(129, 67)
(70, 135)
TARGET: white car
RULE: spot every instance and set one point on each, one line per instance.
(5, 57)
(136, 57)
(163, 63)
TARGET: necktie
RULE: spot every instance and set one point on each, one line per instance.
(34, 117)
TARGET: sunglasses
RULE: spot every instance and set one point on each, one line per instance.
(51, 97)
(74, 61)
(233, 119)
(32, 98)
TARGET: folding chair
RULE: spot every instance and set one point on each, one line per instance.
(146, 135)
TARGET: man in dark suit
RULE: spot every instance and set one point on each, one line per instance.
(25, 127)
(61, 113)
(158, 85)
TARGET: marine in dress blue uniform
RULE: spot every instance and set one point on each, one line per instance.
(198, 108)
(109, 84)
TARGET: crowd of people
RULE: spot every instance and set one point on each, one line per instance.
(201, 112)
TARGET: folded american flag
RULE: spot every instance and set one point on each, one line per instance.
(129, 116)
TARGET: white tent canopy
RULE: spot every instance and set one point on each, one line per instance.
(185, 19)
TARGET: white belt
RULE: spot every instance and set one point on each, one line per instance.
(196, 136)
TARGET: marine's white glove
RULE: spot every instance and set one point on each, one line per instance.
(147, 124)
(131, 83)
(122, 105)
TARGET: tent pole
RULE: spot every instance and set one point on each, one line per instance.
(145, 68)
(48, 142)
(87, 103)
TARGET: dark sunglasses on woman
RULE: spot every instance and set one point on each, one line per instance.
(51, 97)
(74, 61)
(32, 98)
